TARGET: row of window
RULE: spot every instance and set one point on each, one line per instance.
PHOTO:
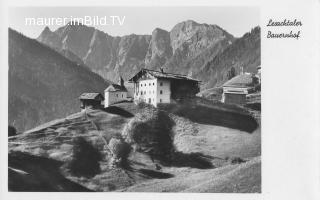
(145, 92)
(117, 95)
(160, 100)
(150, 84)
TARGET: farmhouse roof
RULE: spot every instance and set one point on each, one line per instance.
(116, 88)
(91, 96)
(242, 80)
(158, 74)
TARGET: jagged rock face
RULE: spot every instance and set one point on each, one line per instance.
(244, 52)
(52, 40)
(159, 50)
(196, 36)
(193, 44)
(110, 56)
(106, 55)
(186, 49)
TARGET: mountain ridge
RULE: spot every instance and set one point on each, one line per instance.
(183, 49)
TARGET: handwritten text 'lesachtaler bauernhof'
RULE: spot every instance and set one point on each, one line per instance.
(294, 33)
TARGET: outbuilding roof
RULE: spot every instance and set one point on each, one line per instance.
(158, 74)
(242, 80)
(91, 96)
(116, 88)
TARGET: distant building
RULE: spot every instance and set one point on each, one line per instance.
(236, 89)
(91, 100)
(115, 93)
(259, 73)
(154, 87)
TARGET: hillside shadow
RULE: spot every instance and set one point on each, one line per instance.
(118, 111)
(28, 173)
(214, 116)
(193, 160)
(155, 174)
(254, 106)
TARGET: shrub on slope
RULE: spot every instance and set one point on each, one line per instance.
(85, 159)
(150, 131)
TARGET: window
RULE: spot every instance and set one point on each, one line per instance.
(149, 84)
(145, 84)
(160, 100)
(160, 91)
(116, 95)
(152, 83)
(141, 85)
(141, 93)
(122, 95)
(161, 84)
(145, 92)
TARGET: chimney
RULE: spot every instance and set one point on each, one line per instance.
(241, 70)
(161, 69)
(121, 82)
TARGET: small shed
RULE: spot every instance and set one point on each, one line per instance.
(91, 100)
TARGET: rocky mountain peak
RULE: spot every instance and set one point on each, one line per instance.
(159, 50)
(184, 49)
(196, 36)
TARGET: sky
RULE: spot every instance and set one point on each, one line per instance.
(138, 20)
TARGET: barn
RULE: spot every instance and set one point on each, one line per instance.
(91, 100)
(236, 89)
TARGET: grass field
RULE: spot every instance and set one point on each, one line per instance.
(215, 154)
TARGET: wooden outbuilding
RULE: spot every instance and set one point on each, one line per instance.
(91, 100)
(236, 89)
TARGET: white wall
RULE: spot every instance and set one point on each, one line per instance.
(166, 91)
(235, 89)
(114, 97)
(147, 90)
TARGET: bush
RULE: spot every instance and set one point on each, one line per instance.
(237, 160)
(143, 105)
(12, 131)
(85, 159)
(150, 131)
(120, 151)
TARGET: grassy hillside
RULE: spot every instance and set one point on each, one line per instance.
(43, 84)
(211, 155)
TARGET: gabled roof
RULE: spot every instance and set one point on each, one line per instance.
(91, 96)
(158, 74)
(116, 88)
(242, 80)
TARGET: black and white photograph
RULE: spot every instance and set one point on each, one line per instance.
(152, 104)
(96, 106)
(170, 99)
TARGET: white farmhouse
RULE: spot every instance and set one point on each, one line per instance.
(115, 93)
(154, 87)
